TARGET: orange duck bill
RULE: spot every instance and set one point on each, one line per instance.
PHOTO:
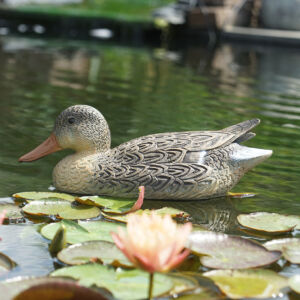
(50, 145)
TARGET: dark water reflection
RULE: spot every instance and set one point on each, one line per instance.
(142, 91)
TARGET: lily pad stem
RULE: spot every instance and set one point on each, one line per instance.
(151, 275)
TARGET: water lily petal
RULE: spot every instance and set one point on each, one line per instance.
(176, 260)
(2, 216)
(153, 242)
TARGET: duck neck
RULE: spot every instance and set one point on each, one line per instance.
(94, 146)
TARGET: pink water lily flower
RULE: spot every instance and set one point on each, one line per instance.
(2, 216)
(152, 242)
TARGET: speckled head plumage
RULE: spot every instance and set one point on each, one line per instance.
(82, 127)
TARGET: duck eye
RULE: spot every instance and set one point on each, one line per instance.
(71, 120)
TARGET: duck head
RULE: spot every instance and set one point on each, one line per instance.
(80, 128)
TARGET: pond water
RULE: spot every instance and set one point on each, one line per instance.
(145, 90)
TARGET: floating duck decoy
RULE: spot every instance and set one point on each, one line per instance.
(176, 166)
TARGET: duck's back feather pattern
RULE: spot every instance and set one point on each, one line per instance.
(168, 163)
(172, 147)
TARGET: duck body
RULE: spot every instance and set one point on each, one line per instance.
(176, 166)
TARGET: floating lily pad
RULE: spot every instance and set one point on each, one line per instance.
(32, 287)
(83, 231)
(258, 283)
(200, 294)
(115, 205)
(182, 283)
(106, 252)
(240, 195)
(290, 248)
(294, 283)
(61, 209)
(6, 263)
(222, 251)
(269, 222)
(107, 202)
(199, 227)
(131, 284)
(43, 196)
(173, 212)
(12, 211)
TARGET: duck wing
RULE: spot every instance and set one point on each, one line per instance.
(169, 165)
(175, 147)
(163, 181)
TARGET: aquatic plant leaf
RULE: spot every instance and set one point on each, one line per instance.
(36, 288)
(269, 222)
(59, 241)
(200, 295)
(127, 208)
(294, 283)
(240, 195)
(12, 211)
(43, 196)
(114, 205)
(123, 284)
(83, 231)
(173, 212)
(106, 252)
(222, 251)
(106, 202)
(199, 227)
(61, 209)
(257, 283)
(182, 283)
(6, 263)
(290, 248)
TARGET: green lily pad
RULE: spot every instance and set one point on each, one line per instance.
(200, 294)
(12, 211)
(114, 205)
(269, 222)
(108, 203)
(123, 284)
(182, 283)
(240, 195)
(222, 251)
(258, 283)
(294, 283)
(22, 288)
(6, 263)
(83, 231)
(105, 202)
(59, 241)
(290, 248)
(106, 252)
(173, 212)
(61, 209)
(43, 196)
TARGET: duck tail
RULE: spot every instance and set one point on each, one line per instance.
(241, 131)
(245, 126)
